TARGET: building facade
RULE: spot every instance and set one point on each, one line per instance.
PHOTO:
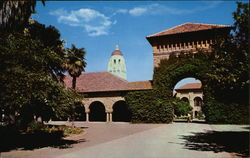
(104, 91)
(192, 94)
(187, 37)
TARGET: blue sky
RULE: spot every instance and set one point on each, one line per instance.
(98, 26)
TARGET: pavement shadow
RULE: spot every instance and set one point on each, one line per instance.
(217, 141)
(11, 139)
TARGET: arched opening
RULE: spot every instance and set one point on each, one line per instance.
(121, 113)
(185, 99)
(80, 112)
(187, 89)
(97, 111)
(197, 101)
(195, 114)
(170, 72)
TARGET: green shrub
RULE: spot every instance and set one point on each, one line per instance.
(35, 126)
(181, 107)
(201, 115)
(149, 107)
(217, 112)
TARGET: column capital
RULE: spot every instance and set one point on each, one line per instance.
(87, 110)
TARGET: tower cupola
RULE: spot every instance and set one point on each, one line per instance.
(117, 64)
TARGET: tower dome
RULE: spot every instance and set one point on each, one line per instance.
(117, 64)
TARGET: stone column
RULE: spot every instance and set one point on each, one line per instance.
(110, 117)
(87, 116)
(107, 117)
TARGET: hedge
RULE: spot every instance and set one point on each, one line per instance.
(149, 107)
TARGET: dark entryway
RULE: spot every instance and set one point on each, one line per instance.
(97, 112)
(121, 112)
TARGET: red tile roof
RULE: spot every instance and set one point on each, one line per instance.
(189, 86)
(104, 82)
(140, 85)
(117, 52)
(188, 27)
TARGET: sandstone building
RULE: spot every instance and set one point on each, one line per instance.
(184, 38)
(192, 94)
(105, 91)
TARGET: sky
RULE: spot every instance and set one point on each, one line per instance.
(98, 26)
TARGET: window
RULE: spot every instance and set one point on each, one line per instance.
(197, 101)
(119, 61)
(114, 61)
(185, 99)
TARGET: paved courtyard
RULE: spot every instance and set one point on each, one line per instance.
(125, 140)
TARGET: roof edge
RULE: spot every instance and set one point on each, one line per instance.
(155, 34)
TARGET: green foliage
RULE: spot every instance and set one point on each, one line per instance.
(75, 62)
(27, 87)
(229, 70)
(146, 107)
(176, 68)
(32, 57)
(35, 126)
(229, 74)
(201, 115)
(180, 107)
(219, 112)
(15, 14)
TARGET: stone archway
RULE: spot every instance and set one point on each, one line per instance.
(171, 71)
(121, 112)
(97, 111)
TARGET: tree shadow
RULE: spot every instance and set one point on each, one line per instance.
(11, 139)
(217, 141)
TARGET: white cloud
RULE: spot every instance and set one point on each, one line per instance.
(122, 11)
(154, 9)
(93, 22)
(137, 11)
(97, 24)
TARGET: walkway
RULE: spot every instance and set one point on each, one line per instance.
(124, 140)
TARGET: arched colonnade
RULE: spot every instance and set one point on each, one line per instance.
(107, 109)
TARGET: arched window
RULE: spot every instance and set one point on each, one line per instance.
(119, 61)
(185, 99)
(197, 101)
(114, 61)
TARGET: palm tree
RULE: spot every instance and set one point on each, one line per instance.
(14, 15)
(75, 62)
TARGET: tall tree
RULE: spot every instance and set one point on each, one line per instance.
(75, 62)
(228, 98)
(14, 15)
(229, 75)
(50, 38)
(26, 84)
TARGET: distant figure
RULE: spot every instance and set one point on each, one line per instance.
(189, 118)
